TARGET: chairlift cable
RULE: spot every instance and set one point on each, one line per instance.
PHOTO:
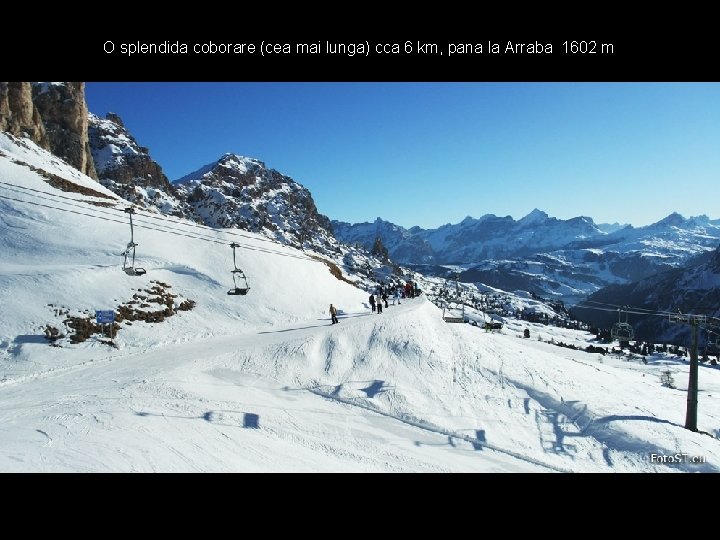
(121, 201)
(144, 225)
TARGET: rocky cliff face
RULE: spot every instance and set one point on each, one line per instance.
(53, 114)
(18, 114)
(243, 193)
(126, 167)
(64, 114)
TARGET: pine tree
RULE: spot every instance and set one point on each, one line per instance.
(379, 250)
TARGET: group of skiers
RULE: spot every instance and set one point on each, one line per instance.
(381, 294)
(394, 291)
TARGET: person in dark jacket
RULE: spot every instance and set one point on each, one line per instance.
(372, 303)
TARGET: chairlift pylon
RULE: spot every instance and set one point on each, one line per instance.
(239, 279)
(129, 265)
(622, 330)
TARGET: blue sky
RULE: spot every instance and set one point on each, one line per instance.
(432, 153)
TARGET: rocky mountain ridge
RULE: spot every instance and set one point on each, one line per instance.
(563, 259)
(54, 115)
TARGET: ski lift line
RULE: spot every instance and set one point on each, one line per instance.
(197, 225)
(90, 207)
(615, 306)
(87, 206)
(62, 209)
(166, 230)
(106, 199)
(206, 227)
(121, 201)
(626, 308)
(208, 238)
(639, 311)
(104, 218)
(84, 206)
(602, 303)
(136, 223)
(25, 188)
(710, 309)
(214, 239)
(197, 236)
(633, 311)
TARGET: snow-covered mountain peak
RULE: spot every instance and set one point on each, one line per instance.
(673, 220)
(586, 219)
(240, 192)
(534, 217)
(229, 166)
(239, 163)
(700, 221)
(111, 142)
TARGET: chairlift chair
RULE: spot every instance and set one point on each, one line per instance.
(711, 345)
(239, 278)
(622, 330)
(453, 315)
(129, 265)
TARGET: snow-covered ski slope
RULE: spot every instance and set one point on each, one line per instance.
(263, 382)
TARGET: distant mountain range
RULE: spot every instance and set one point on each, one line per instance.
(564, 259)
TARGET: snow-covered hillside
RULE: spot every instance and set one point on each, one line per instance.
(264, 382)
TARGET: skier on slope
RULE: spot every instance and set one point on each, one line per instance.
(333, 314)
